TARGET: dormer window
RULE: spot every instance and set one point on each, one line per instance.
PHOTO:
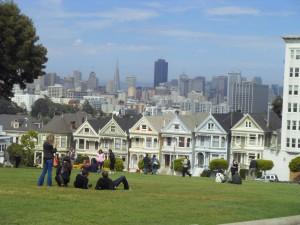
(210, 126)
(176, 126)
(112, 128)
(15, 124)
(144, 127)
(86, 130)
(248, 124)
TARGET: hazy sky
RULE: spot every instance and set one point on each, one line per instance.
(197, 37)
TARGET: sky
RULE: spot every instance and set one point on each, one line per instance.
(196, 37)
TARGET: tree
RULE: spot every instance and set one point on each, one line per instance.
(15, 150)
(264, 165)
(22, 59)
(28, 141)
(86, 107)
(9, 107)
(277, 106)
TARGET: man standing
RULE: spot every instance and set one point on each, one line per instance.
(253, 168)
(186, 165)
(146, 161)
(154, 164)
(112, 160)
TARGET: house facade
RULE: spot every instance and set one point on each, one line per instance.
(5, 141)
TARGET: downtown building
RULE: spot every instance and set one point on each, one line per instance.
(160, 72)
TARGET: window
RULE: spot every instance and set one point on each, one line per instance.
(105, 143)
(188, 142)
(287, 142)
(291, 71)
(223, 142)
(144, 127)
(299, 125)
(81, 143)
(117, 143)
(288, 124)
(176, 126)
(289, 107)
(155, 142)
(293, 142)
(210, 126)
(124, 143)
(298, 54)
(169, 141)
(63, 142)
(86, 130)
(202, 140)
(248, 124)
(148, 142)
(238, 139)
(298, 142)
(295, 89)
(96, 145)
(113, 129)
(295, 107)
(87, 145)
(294, 125)
(215, 142)
(292, 53)
(290, 89)
(297, 72)
(181, 142)
(252, 139)
(57, 141)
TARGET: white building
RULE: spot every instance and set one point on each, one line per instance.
(290, 135)
(25, 101)
(5, 141)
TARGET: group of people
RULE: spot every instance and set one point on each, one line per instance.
(150, 165)
(64, 169)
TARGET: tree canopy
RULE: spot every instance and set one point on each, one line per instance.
(9, 107)
(277, 106)
(22, 58)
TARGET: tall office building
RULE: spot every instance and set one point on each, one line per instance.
(92, 82)
(183, 85)
(249, 97)
(77, 79)
(131, 86)
(218, 90)
(160, 72)
(117, 78)
(257, 80)
(197, 84)
(233, 77)
(290, 139)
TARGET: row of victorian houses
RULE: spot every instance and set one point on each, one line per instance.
(202, 137)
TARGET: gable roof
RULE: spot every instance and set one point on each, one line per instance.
(193, 120)
(99, 123)
(158, 122)
(262, 120)
(127, 121)
(228, 120)
(26, 122)
(63, 124)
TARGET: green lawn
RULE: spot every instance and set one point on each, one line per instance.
(153, 200)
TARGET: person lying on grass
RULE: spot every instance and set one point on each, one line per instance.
(105, 183)
(82, 180)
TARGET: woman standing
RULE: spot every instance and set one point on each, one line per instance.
(234, 167)
(100, 159)
(49, 151)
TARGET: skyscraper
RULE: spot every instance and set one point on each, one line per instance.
(92, 82)
(233, 77)
(117, 78)
(131, 86)
(160, 72)
(183, 85)
(197, 84)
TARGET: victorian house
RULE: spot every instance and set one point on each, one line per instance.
(254, 134)
(177, 137)
(62, 127)
(145, 138)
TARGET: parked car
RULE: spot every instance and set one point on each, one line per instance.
(268, 178)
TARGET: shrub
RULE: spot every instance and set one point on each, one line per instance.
(119, 166)
(80, 158)
(217, 164)
(243, 173)
(264, 165)
(205, 173)
(294, 164)
(15, 150)
(177, 164)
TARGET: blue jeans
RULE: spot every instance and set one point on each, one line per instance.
(47, 167)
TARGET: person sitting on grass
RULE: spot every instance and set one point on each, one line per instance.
(105, 183)
(220, 178)
(82, 180)
(63, 172)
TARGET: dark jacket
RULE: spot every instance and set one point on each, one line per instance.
(112, 157)
(81, 182)
(48, 151)
(146, 161)
(253, 164)
(105, 183)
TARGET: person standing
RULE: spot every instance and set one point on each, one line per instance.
(146, 161)
(100, 159)
(49, 152)
(186, 165)
(112, 160)
(234, 168)
(154, 164)
(252, 168)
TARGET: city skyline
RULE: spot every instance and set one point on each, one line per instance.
(199, 38)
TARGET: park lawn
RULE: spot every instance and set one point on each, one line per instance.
(152, 200)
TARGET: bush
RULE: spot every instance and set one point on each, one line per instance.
(243, 173)
(294, 164)
(80, 158)
(15, 150)
(205, 173)
(264, 165)
(217, 164)
(177, 164)
(119, 166)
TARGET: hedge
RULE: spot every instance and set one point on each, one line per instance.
(217, 164)
(264, 165)
(119, 166)
(177, 164)
(294, 164)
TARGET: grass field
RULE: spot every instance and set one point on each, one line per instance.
(152, 200)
